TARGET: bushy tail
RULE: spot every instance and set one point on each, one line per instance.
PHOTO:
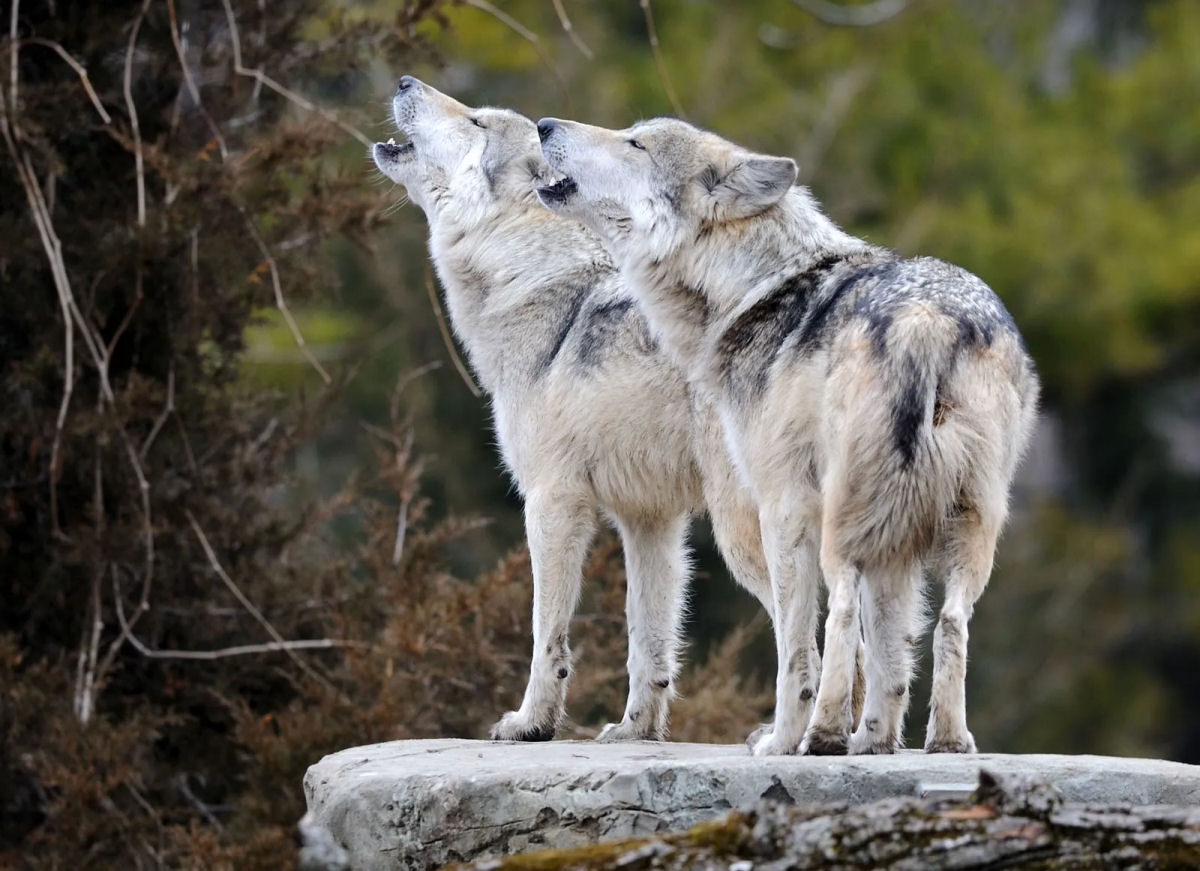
(907, 444)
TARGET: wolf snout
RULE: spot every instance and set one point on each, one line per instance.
(546, 128)
(405, 83)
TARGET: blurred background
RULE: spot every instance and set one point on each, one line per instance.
(251, 511)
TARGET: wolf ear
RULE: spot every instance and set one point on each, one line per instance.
(752, 184)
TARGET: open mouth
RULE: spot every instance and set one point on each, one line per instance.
(392, 151)
(559, 191)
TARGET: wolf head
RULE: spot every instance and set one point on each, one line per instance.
(658, 182)
(460, 158)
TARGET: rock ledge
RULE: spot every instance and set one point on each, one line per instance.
(419, 804)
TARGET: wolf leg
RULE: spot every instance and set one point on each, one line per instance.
(559, 528)
(792, 556)
(891, 617)
(829, 732)
(657, 568)
(968, 547)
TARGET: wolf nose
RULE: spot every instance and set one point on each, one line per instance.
(406, 82)
(545, 128)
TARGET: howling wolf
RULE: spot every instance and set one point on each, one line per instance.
(591, 415)
(875, 405)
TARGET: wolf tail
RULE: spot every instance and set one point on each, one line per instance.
(907, 442)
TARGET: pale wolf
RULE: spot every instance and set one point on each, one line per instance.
(876, 405)
(591, 416)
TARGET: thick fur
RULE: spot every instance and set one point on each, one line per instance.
(591, 416)
(876, 406)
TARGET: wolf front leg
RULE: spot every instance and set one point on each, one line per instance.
(791, 553)
(656, 564)
(559, 527)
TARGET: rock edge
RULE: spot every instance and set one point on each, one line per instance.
(416, 805)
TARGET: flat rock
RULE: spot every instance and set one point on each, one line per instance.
(420, 804)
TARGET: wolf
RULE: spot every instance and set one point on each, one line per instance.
(591, 416)
(876, 406)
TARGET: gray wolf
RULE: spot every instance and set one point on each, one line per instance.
(875, 405)
(591, 416)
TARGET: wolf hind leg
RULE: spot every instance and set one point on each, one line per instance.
(559, 528)
(656, 565)
(891, 621)
(968, 548)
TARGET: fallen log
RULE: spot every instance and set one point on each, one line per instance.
(1008, 822)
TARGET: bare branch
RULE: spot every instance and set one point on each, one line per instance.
(263, 79)
(125, 321)
(569, 29)
(191, 82)
(401, 531)
(860, 15)
(445, 331)
(50, 243)
(79, 70)
(224, 652)
(168, 407)
(280, 302)
(280, 643)
(402, 383)
(526, 34)
(138, 157)
(661, 64)
(14, 49)
(86, 674)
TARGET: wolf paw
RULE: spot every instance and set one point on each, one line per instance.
(870, 746)
(822, 743)
(627, 730)
(515, 726)
(754, 737)
(865, 742)
(771, 743)
(964, 743)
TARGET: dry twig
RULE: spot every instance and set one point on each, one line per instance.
(168, 408)
(139, 160)
(656, 50)
(263, 79)
(280, 302)
(86, 673)
(569, 29)
(14, 50)
(223, 652)
(191, 82)
(79, 71)
(288, 647)
(529, 36)
(445, 331)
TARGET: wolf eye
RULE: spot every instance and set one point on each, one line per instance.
(475, 121)
(637, 145)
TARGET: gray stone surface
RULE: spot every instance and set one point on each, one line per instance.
(420, 804)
